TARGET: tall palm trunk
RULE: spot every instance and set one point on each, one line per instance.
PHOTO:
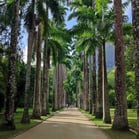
(36, 106)
(99, 107)
(59, 98)
(11, 85)
(63, 74)
(94, 84)
(86, 84)
(55, 90)
(120, 118)
(26, 117)
(46, 60)
(90, 85)
(106, 108)
(59, 86)
(135, 20)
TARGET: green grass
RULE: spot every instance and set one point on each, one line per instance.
(20, 127)
(132, 118)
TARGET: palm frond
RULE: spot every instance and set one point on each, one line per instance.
(126, 4)
(57, 10)
(57, 50)
(83, 14)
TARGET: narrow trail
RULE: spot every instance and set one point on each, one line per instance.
(68, 124)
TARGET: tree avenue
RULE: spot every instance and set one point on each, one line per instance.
(90, 66)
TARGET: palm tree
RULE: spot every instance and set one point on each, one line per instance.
(99, 107)
(11, 85)
(30, 22)
(86, 83)
(90, 85)
(94, 84)
(86, 41)
(135, 21)
(120, 118)
(37, 91)
(57, 12)
(46, 58)
(59, 77)
(106, 108)
(100, 33)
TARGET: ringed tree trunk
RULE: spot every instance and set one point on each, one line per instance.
(62, 73)
(11, 85)
(55, 91)
(45, 95)
(86, 84)
(64, 77)
(59, 86)
(99, 107)
(106, 107)
(135, 21)
(94, 84)
(26, 117)
(37, 106)
(120, 117)
(46, 61)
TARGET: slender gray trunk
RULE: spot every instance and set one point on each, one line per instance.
(106, 107)
(94, 84)
(86, 84)
(45, 79)
(90, 85)
(99, 107)
(55, 91)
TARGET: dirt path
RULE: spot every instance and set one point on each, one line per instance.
(68, 124)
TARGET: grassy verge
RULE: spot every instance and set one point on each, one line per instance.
(21, 127)
(112, 133)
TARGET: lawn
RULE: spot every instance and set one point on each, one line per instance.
(20, 127)
(112, 133)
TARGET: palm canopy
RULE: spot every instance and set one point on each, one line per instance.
(95, 24)
(91, 29)
(41, 7)
(58, 42)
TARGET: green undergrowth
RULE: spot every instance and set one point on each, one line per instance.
(21, 127)
(113, 134)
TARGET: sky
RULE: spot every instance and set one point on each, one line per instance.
(69, 24)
